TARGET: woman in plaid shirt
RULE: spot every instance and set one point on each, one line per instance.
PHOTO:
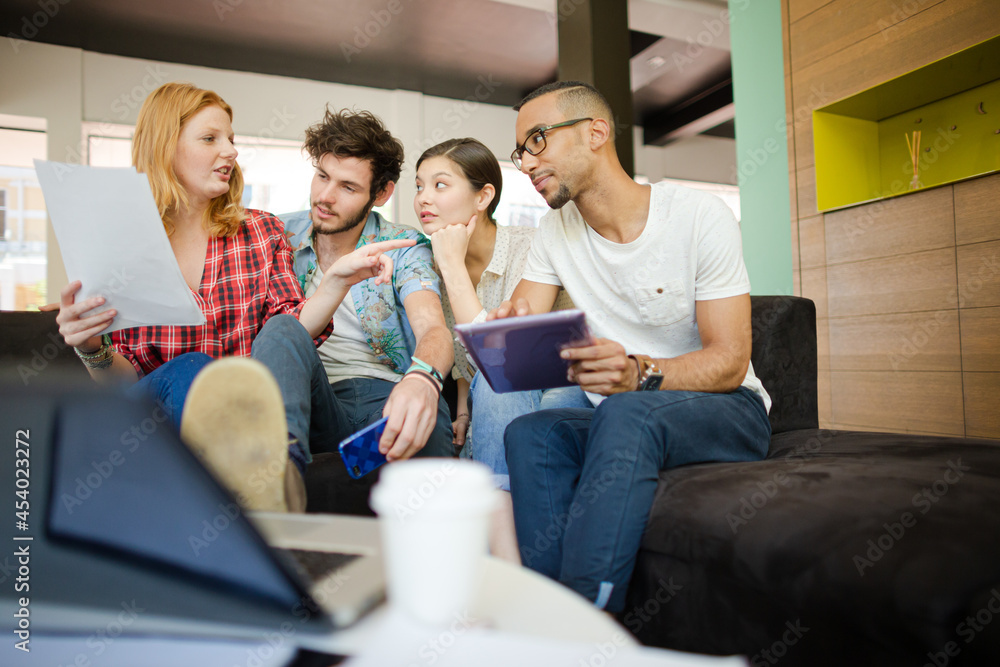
(238, 265)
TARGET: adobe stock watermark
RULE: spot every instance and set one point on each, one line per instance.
(460, 111)
(605, 652)
(901, 12)
(860, 225)
(434, 648)
(279, 121)
(895, 531)
(924, 333)
(637, 617)
(590, 491)
(779, 649)
(124, 104)
(102, 470)
(968, 629)
(752, 503)
(32, 24)
(418, 497)
(42, 357)
(212, 528)
(756, 157)
(99, 642)
(713, 30)
(273, 642)
(366, 33)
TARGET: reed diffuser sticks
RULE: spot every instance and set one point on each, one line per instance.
(914, 147)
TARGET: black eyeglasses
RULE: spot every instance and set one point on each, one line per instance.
(535, 143)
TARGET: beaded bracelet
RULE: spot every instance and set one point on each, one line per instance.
(102, 358)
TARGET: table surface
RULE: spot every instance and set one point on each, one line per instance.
(512, 598)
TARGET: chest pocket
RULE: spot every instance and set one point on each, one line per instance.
(664, 304)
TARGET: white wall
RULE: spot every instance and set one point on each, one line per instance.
(67, 86)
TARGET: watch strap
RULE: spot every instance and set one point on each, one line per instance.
(647, 369)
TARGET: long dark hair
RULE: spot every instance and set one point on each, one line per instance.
(476, 161)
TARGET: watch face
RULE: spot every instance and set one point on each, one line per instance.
(652, 383)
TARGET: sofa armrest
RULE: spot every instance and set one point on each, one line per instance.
(784, 358)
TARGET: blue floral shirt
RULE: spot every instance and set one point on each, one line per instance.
(379, 307)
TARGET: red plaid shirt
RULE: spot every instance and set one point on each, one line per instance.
(247, 279)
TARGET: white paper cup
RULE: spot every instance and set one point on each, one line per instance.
(434, 516)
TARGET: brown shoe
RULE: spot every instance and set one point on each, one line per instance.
(234, 421)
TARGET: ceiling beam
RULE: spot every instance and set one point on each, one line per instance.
(703, 111)
(704, 22)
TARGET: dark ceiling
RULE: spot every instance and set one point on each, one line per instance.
(681, 76)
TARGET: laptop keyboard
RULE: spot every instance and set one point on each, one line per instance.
(315, 565)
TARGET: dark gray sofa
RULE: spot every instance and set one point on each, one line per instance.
(840, 548)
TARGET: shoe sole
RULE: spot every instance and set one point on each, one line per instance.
(234, 421)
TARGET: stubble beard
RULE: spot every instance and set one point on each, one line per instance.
(359, 219)
(562, 197)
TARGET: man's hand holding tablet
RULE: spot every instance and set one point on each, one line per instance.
(603, 367)
(523, 353)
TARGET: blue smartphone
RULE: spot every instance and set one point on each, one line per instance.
(360, 451)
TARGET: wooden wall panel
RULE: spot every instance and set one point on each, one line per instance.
(979, 275)
(912, 223)
(812, 240)
(824, 405)
(814, 286)
(903, 284)
(802, 8)
(804, 151)
(982, 405)
(796, 261)
(805, 185)
(926, 341)
(981, 340)
(977, 210)
(839, 25)
(925, 37)
(913, 401)
(907, 290)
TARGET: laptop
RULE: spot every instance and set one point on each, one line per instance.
(522, 353)
(126, 530)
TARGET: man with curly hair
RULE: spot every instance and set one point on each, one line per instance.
(390, 346)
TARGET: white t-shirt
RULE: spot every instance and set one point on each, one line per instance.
(642, 294)
(346, 353)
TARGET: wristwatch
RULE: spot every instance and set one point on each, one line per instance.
(650, 376)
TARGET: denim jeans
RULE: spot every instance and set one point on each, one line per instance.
(168, 384)
(357, 402)
(583, 480)
(319, 415)
(492, 412)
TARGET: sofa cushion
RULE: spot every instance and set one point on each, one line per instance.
(31, 347)
(889, 536)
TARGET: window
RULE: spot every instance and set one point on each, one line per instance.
(22, 214)
(520, 204)
(276, 173)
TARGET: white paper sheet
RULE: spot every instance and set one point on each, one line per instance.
(113, 241)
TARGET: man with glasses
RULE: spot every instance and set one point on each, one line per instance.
(659, 272)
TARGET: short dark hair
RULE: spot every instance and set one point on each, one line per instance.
(476, 161)
(576, 98)
(361, 135)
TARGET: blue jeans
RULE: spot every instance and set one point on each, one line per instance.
(492, 412)
(288, 351)
(583, 480)
(317, 421)
(357, 402)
